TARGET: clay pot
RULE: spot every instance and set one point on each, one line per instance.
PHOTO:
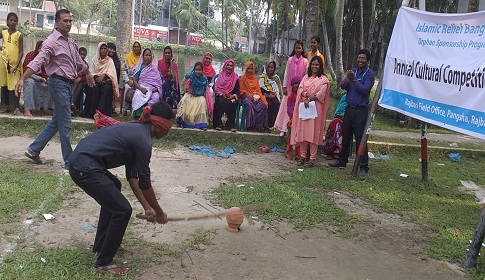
(234, 218)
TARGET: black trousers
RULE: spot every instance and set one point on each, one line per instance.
(273, 108)
(221, 106)
(355, 119)
(114, 215)
(8, 96)
(99, 97)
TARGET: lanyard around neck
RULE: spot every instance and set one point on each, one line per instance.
(356, 74)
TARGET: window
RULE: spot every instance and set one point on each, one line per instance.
(50, 20)
(4, 7)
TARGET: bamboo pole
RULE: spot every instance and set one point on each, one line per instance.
(248, 208)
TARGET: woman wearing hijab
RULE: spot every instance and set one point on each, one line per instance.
(146, 82)
(105, 91)
(253, 98)
(35, 94)
(307, 126)
(207, 69)
(192, 110)
(209, 72)
(270, 84)
(226, 91)
(296, 66)
(170, 78)
(127, 73)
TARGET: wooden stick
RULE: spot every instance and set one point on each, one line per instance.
(210, 215)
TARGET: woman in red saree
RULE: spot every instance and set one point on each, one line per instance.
(170, 78)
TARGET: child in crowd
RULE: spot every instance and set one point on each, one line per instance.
(77, 97)
(290, 107)
(10, 66)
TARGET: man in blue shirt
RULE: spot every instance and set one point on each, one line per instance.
(358, 83)
(128, 144)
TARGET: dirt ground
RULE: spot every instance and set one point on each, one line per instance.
(386, 248)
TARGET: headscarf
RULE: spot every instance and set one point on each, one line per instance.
(165, 69)
(249, 83)
(290, 104)
(163, 123)
(105, 66)
(271, 84)
(116, 59)
(31, 55)
(225, 83)
(297, 67)
(198, 85)
(208, 70)
(149, 74)
(132, 58)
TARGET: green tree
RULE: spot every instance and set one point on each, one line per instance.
(188, 15)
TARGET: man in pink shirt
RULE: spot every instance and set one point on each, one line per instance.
(63, 64)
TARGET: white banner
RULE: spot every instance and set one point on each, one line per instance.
(435, 69)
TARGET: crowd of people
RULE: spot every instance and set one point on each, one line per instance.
(256, 102)
(56, 76)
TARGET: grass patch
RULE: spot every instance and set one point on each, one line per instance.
(77, 262)
(176, 137)
(19, 194)
(299, 199)
(449, 215)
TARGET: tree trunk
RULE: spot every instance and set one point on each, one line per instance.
(266, 49)
(360, 33)
(311, 20)
(88, 29)
(338, 46)
(123, 26)
(326, 50)
(383, 51)
(370, 34)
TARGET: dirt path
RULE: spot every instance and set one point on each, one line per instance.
(387, 247)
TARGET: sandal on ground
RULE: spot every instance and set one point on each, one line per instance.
(233, 130)
(114, 268)
(28, 114)
(218, 128)
(300, 162)
(17, 112)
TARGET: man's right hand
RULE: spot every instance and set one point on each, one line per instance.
(162, 218)
(18, 87)
(130, 83)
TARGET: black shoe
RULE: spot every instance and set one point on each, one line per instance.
(33, 156)
(363, 171)
(338, 163)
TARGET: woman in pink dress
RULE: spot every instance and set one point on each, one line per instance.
(295, 67)
(308, 128)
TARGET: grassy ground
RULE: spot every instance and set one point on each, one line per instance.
(447, 214)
